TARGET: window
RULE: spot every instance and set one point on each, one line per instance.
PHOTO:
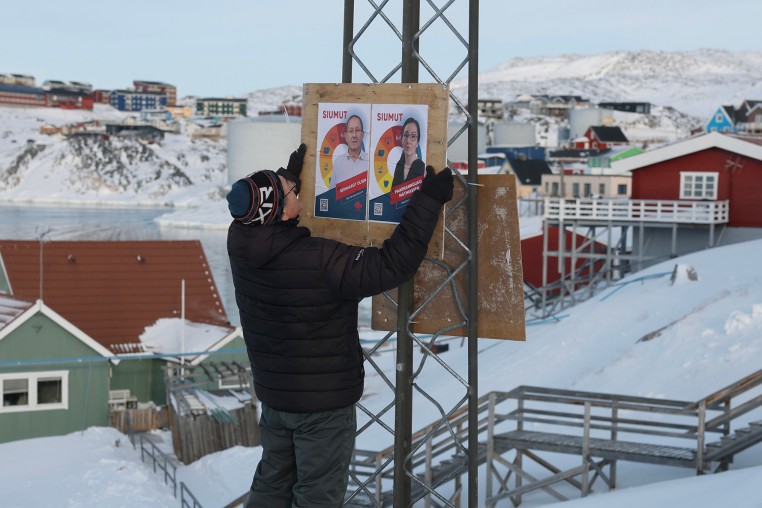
(233, 382)
(34, 391)
(588, 190)
(602, 189)
(718, 118)
(698, 185)
(555, 189)
(575, 190)
(621, 189)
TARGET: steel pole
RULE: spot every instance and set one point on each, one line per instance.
(473, 224)
(403, 402)
(346, 61)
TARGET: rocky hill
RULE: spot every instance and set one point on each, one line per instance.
(685, 88)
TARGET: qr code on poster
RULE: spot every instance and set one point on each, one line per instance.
(378, 209)
(323, 205)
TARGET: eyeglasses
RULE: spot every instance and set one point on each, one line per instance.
(412, 136)
(293, 189)
(354, 131)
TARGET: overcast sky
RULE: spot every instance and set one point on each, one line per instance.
(231, 47)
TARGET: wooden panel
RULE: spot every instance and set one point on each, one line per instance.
(364, 232)
(501, 288)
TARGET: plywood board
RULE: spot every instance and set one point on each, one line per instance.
(500, 286)
(356, 232)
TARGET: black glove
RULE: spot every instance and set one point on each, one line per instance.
(438, 186)
(294, 167)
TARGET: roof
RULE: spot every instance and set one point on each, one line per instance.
(112, 291)
(22, 89)
(10, 309)
(152, 83)
(529, 172)
(609, 134)
(220, 99)
(21, 311)
(742, 145)
(571, 153)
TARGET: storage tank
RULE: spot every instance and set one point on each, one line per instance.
(458, 151)
(513, 134)
(262, 142)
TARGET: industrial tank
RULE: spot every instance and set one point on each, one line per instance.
(263, 142)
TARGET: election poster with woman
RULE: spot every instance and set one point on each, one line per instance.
(398, 138)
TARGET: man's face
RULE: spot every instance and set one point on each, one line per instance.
(292, 207)
(354, 135)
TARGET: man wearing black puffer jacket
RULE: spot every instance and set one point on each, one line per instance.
(298, 299)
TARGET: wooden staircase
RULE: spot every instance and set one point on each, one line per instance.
(587, 424)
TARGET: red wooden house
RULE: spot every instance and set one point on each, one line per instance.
(600, 138)
(696, 193)
(711, 168)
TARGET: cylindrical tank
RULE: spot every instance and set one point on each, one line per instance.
(263, 142)
(458, 151)
(513, 134)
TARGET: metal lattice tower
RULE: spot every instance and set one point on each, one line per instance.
(412, 469)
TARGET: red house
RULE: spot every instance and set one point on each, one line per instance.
(693, 194)
(601, 138)
(712, 167)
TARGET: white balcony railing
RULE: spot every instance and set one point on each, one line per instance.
(685, 212)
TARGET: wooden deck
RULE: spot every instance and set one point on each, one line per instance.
(637, 210)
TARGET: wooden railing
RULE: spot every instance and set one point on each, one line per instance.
(634, 210)
(619, 427)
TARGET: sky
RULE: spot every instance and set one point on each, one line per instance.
(711, 336)
(222, 48)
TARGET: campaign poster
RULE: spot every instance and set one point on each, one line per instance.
(399, 158)
(343, 161)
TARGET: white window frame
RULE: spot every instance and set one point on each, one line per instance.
(704, 176)
(231, 383)
(32, 379)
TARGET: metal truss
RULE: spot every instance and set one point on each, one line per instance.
(423, 468)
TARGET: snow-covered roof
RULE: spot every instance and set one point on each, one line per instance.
(688, 146)
(175, 335)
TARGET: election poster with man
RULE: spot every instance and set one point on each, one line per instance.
(342, 162)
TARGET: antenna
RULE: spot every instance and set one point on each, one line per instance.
(41, 239)
(182, 328)
(285, 113)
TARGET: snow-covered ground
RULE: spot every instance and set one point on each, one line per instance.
(712, 336)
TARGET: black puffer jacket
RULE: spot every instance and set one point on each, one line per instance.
(298, 295)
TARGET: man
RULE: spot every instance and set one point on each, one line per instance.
(355, 161)
(298, 297)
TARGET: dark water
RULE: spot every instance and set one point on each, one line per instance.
(28, 222)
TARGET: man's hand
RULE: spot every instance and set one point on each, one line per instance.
(294, 167)
(438, 186)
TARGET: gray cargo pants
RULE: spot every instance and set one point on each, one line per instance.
(305, 459)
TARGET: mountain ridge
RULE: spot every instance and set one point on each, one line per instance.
(694, 82)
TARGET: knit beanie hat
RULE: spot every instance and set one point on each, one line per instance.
(257, 199)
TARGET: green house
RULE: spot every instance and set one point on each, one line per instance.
(54, 378)
(111, 317)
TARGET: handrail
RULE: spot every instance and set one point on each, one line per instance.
(638, 210)
(733, 389)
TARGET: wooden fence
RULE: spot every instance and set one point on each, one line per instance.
(194, 436)
(129, 421)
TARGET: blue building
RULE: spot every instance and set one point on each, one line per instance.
(131, 100)
(531, 153)
(723, 120)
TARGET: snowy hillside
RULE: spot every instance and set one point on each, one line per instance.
(684, 87)
(709, 335)
(692, 82)
(179, 171)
